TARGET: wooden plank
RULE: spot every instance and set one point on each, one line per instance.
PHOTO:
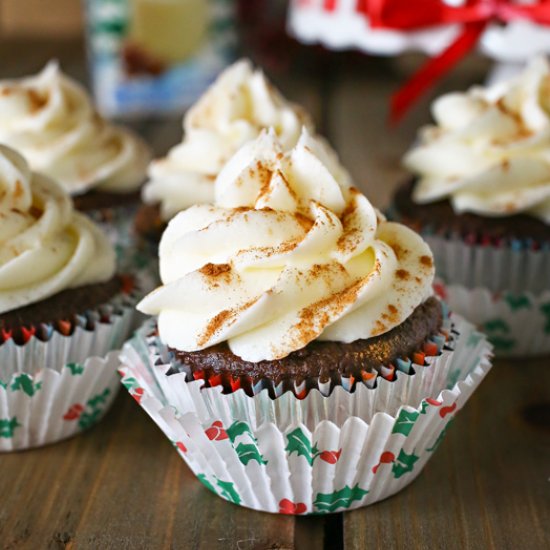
(487, 486)
(122, 485)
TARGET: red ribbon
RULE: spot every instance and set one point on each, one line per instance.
(474, 16)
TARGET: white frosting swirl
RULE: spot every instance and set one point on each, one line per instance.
(232, 112)
(489, 152)
(290, 252)
(45, 246)
(50, 120)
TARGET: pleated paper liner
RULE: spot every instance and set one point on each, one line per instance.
(514, 266)
(511, 265)
(517, 324)
(317, 454)
(55, 379)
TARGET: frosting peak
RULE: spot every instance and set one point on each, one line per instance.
(290, 252)
(232, 112)
(489, 152)
(49, 118)
(45, 247)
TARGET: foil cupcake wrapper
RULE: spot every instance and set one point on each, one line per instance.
(55, 385)
(517, 324)
(512, 267)
(436, 348)
(315, 455)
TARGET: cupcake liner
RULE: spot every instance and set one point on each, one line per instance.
(133, 255)
(56, 382)
(517, 324)
(418, 361)
(515, 266)
(314, 455)
(54, 404)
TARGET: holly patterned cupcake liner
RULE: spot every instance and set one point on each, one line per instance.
(56, 403)
(315, 455)
(62, 378)
(517, 324)
(510, 266)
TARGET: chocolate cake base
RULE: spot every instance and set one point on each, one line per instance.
(318, 361)
(99, 200)
(148, 223)
(62, 306)
(439, 217)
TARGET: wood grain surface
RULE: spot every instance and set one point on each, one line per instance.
(122, 486)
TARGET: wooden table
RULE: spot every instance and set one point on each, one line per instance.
(121, 485)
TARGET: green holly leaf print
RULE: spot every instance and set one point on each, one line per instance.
(473, 339)
(404, 463)
(24, 383)
(440, 437)
(405, 421)
(88, 419)
(298, 442)
(3, 385)
(453, 378)
(99, 399)
(516, 302)
(228, 491)
(496, 325)
(238, 428)
(8, 426)
(502, 343)
(75, 368)
(247, 452)
(204, 480)
(330, 502)
(130, 383)
(424, 407)
(545, 310)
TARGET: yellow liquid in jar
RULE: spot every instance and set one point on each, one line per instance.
(171, 30)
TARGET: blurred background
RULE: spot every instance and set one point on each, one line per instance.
(146, 61)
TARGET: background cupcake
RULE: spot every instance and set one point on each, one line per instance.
(62, 310)
(50, 119)
(233, 111)
(481, 197)
(300, 358)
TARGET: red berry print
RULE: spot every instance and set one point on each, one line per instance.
(74, 412)
(444, 411)
(181, 446)
(288, 507)
(216, 432)
(330, 456)
(440, 290)
(138, 394)
(434, 402)
(387, 457)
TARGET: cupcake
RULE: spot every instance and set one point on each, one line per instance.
(481, 197)
(50, 120)
(63, 309)
(231, 112)
(299, 362)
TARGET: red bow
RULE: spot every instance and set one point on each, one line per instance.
(474, 16)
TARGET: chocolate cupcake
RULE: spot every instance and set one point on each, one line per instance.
(233, 111)
(63, 309)
(481, 198)
(299, 359)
